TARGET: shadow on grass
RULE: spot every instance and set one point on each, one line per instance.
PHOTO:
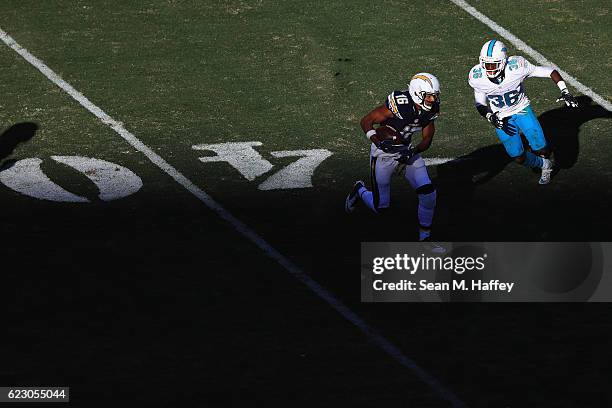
(13, 137)
(457, 180)
(562, 127)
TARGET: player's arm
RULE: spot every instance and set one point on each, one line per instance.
(482, 106)
(481, 103)
(427, 137)
(545, 72)
(566, 96)
(428, 134)
(376, 116)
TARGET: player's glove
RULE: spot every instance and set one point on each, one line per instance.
(495, 120)
(406, 154)
(568, 98)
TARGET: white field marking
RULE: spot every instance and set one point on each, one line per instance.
(370, 333)
(519, 44)
(26, 177)
(434, 161)
(240, 155)
(297, 174)
(113, 181)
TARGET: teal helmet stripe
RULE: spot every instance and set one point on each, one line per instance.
(490, 50)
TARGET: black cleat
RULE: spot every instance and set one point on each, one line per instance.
(353, 197)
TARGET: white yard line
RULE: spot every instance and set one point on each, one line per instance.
(434, 161)
(370, 333)
(540, 59)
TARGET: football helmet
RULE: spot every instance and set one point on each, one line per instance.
(493, 56)
(424, 90)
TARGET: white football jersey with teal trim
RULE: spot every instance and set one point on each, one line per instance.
(508, 97)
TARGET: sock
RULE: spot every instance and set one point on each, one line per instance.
(424, 233)
(533, 161)
(427, 206)
(367, 197)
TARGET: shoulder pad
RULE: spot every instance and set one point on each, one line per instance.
(519, 65)
(395, 101)
(517, 60)
(475, 73)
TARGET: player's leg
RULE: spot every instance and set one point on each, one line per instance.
(527, 121)
(379, 198)
(353, 198)
(529, 159)
(529, 125)
(511, 139)
(418, 177)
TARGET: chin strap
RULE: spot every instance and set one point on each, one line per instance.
(498, 79)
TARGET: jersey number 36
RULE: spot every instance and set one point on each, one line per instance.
(507, 99)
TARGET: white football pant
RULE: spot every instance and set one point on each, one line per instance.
(382, 169)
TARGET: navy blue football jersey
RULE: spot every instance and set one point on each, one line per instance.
(407, 119)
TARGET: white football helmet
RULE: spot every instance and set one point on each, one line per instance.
(493, 57)
(424, 90)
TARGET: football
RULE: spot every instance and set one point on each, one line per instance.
(385, 132)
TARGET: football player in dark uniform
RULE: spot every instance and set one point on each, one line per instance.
(406, 112)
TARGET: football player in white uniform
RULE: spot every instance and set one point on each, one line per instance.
(406, 112)
(500, 98)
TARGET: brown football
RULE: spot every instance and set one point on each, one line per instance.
(385, 132)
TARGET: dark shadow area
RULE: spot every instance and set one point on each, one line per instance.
(461, 214)
(456, 182)
(474, 168)
(79, 295)
(562, 125)
(14, 136)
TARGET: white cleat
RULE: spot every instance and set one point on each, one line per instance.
(547, 169)
(353, 197)
(432, 246)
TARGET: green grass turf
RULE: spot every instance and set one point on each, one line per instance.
(276, 72)
(293, 75)
(569, 33)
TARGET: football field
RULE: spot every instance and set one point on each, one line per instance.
(169, 168)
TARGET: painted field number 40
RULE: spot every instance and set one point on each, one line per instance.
(114, 181)
(250, 163)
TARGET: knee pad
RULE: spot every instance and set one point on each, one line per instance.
(428, 200)
(425, 189)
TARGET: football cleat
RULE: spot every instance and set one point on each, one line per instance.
(547, 169)
(353, 197)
